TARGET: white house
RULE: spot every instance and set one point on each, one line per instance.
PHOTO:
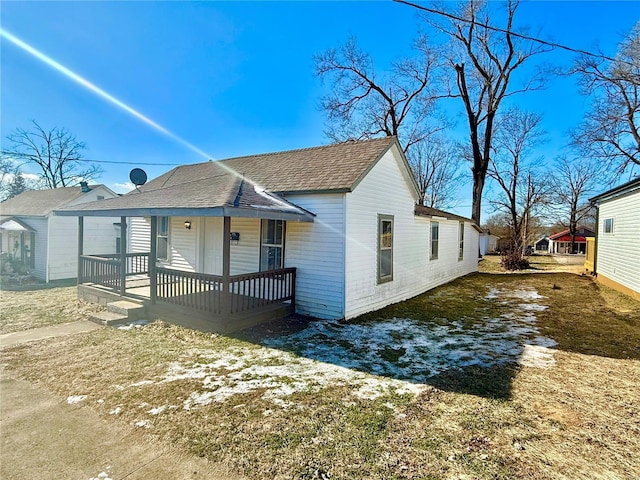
(488, 242)
(617, 245)
(333, 230)
(47, 244)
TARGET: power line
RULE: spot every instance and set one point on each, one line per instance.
(510, 32)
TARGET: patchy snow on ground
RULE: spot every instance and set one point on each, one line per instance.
(102, 476)
(73, 399)
(132, 325)
(397, 355)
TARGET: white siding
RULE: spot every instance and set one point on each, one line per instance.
(385, 191)
(139, 235)
(184, 244)
(618, 253)
(447, 267)
(99, 237)
(245, 256)
(317, 250)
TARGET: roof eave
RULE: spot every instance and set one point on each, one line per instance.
(222, 211)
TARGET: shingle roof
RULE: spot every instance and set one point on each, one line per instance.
(40, 202)
(434, 212)
(331, 167)
(211, 185)
(582, 231)
(209, 196)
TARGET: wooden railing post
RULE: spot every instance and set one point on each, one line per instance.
(293, 290)
(226, 267)
(151, 264)
(123, 255)
(80, 248)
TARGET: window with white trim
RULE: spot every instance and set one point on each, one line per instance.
(608, 225)
(162, 244)
(272, 245)
(461, 241)
(385, 248)
(435, 237)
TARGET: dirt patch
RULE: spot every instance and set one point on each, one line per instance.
(75, 442)
(24, 310)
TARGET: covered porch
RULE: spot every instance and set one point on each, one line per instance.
(212, 301)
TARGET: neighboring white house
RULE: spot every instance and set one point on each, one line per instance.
(488, 242)
(343, 215)
(48, 244)
(617, 254)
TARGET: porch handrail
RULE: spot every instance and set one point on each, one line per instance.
(198, 291)
(100, 271)
(255, 290)
(206, 292)
(137, 262)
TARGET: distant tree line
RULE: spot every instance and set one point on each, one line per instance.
(475, 66)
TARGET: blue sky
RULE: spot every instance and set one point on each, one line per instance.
(237, 78)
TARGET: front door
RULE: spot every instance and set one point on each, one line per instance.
(211, 252)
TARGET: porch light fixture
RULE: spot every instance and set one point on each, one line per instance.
(187, 224)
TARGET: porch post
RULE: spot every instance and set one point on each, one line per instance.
(80, 248)
(123, 255)
(226, 266)
(153, 257)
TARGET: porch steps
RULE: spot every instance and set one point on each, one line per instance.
(118, 313)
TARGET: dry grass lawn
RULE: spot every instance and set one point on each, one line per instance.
(286, 415)
(539, 263)
(23, 310)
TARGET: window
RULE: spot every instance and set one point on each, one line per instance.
(608, 225)
(162, 252)
(272, 245)
(461, 242)
(435, 236)
(100, 197)
(385, 248)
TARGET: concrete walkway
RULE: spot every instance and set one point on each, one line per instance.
(44, 437)
(36, 334)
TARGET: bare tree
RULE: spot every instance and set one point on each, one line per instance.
(365, 105)
(484, 61)
(611, 129)
(56, 153)
(573, 181)
(436, 169)
(522, 190)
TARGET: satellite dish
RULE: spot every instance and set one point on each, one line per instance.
(138, 177)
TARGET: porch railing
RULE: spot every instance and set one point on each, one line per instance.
(206, 292)
(106, 269)
(100, 270)
(137, 263)
(254, 290)
(198, 291)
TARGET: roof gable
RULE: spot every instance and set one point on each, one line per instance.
(41, 202)
(336, 167)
